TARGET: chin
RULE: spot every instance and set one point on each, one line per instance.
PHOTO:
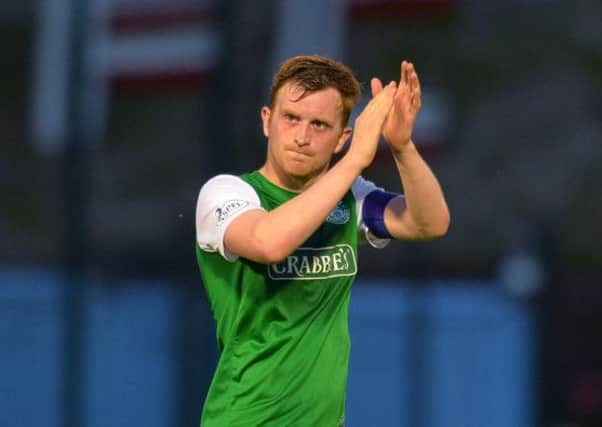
(298, 175)
(302, 170)
(293, 168)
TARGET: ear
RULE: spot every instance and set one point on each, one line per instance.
(343, 138)
(266, 113)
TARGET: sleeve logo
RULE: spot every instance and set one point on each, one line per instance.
(228, 208)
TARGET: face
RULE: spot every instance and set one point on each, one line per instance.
(303, 134)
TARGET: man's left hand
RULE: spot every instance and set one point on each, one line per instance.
(398, 126)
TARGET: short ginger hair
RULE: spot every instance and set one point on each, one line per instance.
(313, 73)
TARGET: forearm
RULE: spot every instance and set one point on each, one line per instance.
(277, 233)
(425, 206)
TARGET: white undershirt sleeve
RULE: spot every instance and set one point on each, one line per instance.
(361, 188)
(221, 199)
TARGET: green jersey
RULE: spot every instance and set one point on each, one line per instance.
(282, 329)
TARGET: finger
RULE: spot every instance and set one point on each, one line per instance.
(376, 86)
(390, 98)
(413, 77)
(388, 89)
(403, 92)
(416, 81)
(402, 77)
(410, 75)
(410, 72)
(387, 92)
(416, 90)
(391, 89)
(417, 97)
(384, 98)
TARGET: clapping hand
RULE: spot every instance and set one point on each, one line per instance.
(397, 129)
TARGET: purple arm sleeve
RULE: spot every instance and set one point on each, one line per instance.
(373, 212)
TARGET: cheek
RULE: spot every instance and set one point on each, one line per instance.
(327, 143)
(278, 132)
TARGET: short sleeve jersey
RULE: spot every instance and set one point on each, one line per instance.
(282, 329)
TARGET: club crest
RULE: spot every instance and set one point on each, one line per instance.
(339, 215)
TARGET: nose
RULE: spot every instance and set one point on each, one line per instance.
(302, 136)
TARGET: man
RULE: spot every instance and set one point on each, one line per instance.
(277, 248)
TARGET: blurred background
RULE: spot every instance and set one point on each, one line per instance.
(114, 112)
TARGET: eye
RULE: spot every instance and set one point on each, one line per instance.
(319, 125)
(290, 117)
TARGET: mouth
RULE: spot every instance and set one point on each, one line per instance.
(299, 154)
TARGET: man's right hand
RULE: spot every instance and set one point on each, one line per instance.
(369, 125)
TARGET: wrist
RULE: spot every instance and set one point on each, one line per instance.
(399, 151)
(354, 162)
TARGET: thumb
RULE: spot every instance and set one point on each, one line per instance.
(376, 86)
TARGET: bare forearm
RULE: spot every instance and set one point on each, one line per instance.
(285, 228)
(424, 200)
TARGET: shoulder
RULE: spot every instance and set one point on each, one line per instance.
(225, 194)
(225, 187)
(221, 199)
(225, 181)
